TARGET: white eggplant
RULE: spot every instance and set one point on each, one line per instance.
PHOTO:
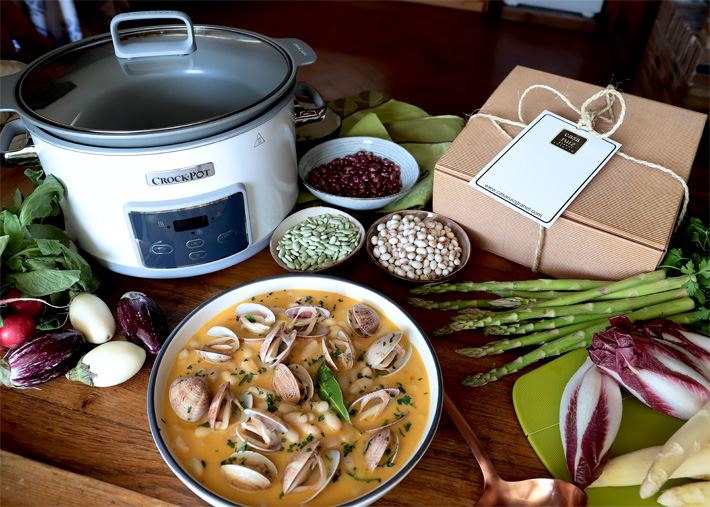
(590, 416)
(109, 364)
(90, 315)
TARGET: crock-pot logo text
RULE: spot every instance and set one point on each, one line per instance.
(184, 175)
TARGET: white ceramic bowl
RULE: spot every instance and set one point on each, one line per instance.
(159, 381)
(338, 148)
(300, 216)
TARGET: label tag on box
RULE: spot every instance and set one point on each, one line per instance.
(545, 167)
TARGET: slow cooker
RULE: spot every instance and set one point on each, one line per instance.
(175, 143)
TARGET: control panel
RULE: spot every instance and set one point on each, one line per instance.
(191, 234)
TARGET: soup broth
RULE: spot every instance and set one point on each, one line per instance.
(384, 431)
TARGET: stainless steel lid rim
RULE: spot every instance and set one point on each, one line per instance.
(54, 140)
(211, 98)
(85, 44)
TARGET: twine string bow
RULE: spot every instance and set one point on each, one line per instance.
(588, 117)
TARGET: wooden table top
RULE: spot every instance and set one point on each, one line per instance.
(103, 434)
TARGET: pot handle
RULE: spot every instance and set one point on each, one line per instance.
(155, 47)
(303, 115)
(24, 156)
(301, 53)
(7, 92)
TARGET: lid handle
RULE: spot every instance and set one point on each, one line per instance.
(157, 46)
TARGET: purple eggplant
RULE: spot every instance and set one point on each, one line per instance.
(142, 321)
(43, 358)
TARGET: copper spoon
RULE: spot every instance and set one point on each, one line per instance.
(497, 492)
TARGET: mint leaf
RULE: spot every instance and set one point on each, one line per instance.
(36, 176)
(47, 231)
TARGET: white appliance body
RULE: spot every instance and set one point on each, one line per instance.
(181, 210)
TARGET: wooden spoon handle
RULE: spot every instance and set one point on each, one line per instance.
(489, 473)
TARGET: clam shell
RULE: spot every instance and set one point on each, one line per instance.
(363, 320)
(292, 383)
(305, 320)
(261, 430)
(276, 347)
(331, 461)
(297, 475)
(306, 312)
(371, 405)
(338, 351)
(225, 340)
(377, 446)
(387, 355)
(255, 318)
(220, 410)
(213, 357)
(250, 471)
(190, 398)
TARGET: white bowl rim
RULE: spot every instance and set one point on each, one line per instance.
(366, 499)
(302, 173)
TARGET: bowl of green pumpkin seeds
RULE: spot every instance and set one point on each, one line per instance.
(315, 239)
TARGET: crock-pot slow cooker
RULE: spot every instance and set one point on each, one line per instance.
(175, 143)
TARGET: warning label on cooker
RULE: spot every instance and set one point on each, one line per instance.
(183, 175)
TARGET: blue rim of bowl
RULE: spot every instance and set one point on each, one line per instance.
(177, 469)
(399, 194)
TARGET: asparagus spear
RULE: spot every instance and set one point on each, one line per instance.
(691, 317)
(460, 304)
(586, 295)
(531, 285)
(531, 294)
(577, 339)
(500, 346)
(601, 307)
(648, 288)
(541, 325)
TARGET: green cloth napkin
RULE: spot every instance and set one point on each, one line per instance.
(425, 137)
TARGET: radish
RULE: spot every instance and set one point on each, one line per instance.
(31, 307)
(15, 330)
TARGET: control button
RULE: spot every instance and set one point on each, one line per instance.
(197, 255)
(195, 243)
(225, 236)
(161, 249)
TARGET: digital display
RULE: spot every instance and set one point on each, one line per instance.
(187, 224)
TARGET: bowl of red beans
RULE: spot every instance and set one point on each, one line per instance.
(359, 173)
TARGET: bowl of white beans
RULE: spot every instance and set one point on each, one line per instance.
(418, 246)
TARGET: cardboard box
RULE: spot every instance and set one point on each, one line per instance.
(620, 225)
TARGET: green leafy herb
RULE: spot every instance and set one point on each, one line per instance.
(329, 390)
(242, 447)
(321, 418)
(231, 443)
(405, 400)
(407, 426)
(36, 256)
(250, 317)
(246, 378)
(348, 448)
(363, 479)
(205, 424)
(271, 402)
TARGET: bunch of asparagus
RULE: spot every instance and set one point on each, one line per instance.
(558, 315)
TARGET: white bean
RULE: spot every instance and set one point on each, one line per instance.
(360, 385)
(201, 432)
(197, 467)
(331, 421)
(320, 406)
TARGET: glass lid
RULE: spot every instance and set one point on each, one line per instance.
(86, 87)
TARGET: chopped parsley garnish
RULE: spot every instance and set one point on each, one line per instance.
(205, 424)
(348, 448)
(189, 409)
(246, 378)
(405, 400)
(250, 318)
(364, 479)
(242, 447)
(271, 401)
(361, 357)
(407, 426)
(262, 369)
(321, 418)
(189, 366)
(231, 443)
(401, 388)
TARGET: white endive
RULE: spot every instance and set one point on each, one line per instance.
(590, 415)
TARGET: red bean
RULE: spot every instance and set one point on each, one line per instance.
(362, 174)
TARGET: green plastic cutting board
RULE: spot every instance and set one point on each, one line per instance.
(536, 397)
